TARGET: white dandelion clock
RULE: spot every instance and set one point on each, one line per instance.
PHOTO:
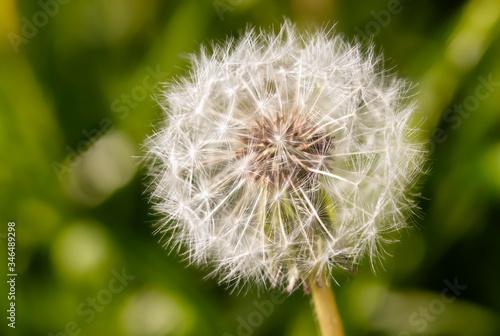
(283, 156)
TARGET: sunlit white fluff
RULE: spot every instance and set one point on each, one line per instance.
(283, 155)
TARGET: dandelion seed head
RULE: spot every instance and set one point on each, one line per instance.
(283, 156)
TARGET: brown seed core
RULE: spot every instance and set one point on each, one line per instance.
(284, 149)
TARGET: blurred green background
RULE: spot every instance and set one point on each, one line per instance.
(77, 80)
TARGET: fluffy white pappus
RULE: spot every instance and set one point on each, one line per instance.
(284, 156)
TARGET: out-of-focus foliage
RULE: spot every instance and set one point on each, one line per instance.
(76, 88)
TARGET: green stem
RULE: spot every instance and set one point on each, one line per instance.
(326, 308)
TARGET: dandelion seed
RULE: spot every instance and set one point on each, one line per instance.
(284, 156)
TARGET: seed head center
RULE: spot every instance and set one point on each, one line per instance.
(284, 149)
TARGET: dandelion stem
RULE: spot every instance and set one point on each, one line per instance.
(326, 308)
